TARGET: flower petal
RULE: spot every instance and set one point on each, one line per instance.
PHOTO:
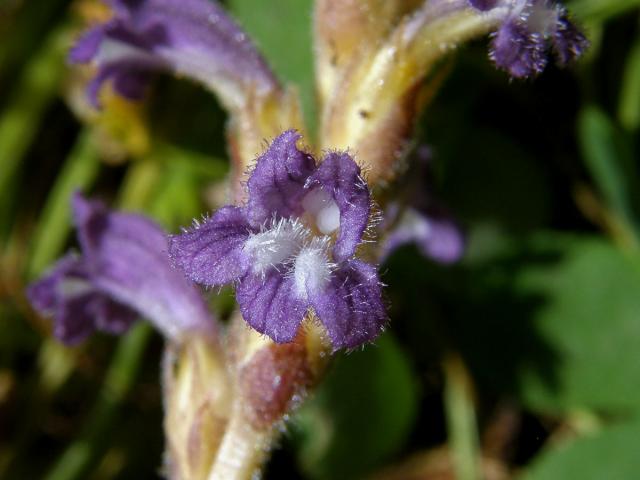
(43, 294)
(126, 258)
(74, 320)
(339, 176)
(518, 51)
(270, 305)
(192, 38)
(526, 28)
(77, 307)
(351, 306)
(569, 42)
(87, 45)
(483, 5)
(212, 252)
(276, 185)
(437, 236)
(113, 317)
(129, 79)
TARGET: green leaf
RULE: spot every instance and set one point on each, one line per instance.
(78, 173)
(282, 31)
(554, 325)
(608, 158)
(612, 454)
(34, 92)
(587, 317)
(601, 10)
(361, 414)
(629, 102)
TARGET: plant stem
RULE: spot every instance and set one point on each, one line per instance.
(243, 450)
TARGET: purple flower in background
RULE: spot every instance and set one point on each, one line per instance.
(422, 220)
(436, 234)
(192, 38)
(123, 272)
(66, 293)
(520, 43)
(292, 247)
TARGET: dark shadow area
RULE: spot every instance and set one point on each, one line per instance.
(186, 115)
(473, 310)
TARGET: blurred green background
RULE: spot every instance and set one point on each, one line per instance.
(522, 361)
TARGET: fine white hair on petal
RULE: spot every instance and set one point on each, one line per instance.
(312, 269)
(376, 219)
(276, 244)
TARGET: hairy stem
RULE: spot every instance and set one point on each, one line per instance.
(243, 450)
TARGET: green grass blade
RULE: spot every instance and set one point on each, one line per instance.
(78, 173)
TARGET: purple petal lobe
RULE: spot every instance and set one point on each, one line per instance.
(351, 306)
(339, 176)
(483, 5)
(270, 305)
(113, 317)
(276, 185)
(77, 307)
(518, 51)
(437, 236)
(129, 79)
(568, 42)
(520, 43)
(76, 318)
(94, 220)
(212, 252)
(192, 38)
(43, 294)
(87, 45)
(126, 258)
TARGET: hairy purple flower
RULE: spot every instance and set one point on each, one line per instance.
(292, 247)
(192, 38)
(527, 28)
(123, 272)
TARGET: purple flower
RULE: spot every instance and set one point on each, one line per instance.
(292, 247)
(191, 38)
(423, 221)
(437, 235)
(123, 272)
(527, 27)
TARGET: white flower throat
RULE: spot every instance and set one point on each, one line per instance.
(290, 245)
(319, 204)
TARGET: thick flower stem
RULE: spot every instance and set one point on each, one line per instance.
(243, 450)
(375, 109)
(271, 381)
